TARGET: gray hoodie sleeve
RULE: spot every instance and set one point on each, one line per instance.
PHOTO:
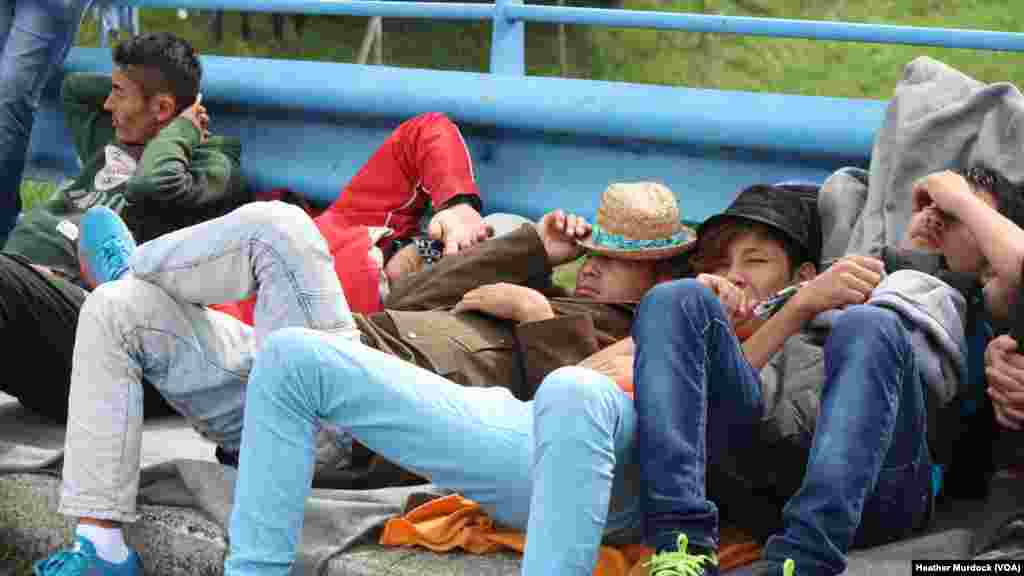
(936, 313)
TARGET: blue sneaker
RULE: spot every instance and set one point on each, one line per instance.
(81, 560)
(104, 246)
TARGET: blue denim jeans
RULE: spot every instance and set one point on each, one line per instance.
(554, 466)
(696, 396)
(35, 36)
(698, 401)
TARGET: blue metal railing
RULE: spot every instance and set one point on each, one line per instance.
(509, 16)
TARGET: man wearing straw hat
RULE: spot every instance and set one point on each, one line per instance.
(477, 331)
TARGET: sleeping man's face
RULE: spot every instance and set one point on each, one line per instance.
(931, 230)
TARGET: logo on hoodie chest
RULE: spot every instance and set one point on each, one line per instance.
(117, 169)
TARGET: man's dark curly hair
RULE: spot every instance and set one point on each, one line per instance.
(1009, 197)
(162, 62)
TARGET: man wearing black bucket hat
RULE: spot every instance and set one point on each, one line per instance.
(842, 395)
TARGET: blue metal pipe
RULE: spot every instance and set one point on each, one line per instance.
(776, 27)
(384, 8)
(813, 126)
(751, 26)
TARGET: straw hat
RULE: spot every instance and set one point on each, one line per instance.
(638, 221)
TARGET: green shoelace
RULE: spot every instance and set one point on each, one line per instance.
(680, 562)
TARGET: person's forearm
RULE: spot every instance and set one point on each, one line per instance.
(1000, 240)
(82, 97)
(769, 338)
(164, 171)
(85, 91)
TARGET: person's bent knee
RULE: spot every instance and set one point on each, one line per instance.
(669, 294)
(865, 321)
(119, 299)
(669, 299)
(274, 213)
(298, 353)
(573, 389)
(291, 349)
(291, 367)
(282, 221)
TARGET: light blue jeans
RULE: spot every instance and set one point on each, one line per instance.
(556, 466)
(551, 466)
(35, 36)
(153, 324)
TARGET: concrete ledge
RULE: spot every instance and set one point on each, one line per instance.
(171, 541)
(372, 560)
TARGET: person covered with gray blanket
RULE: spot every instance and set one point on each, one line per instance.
(940, 118)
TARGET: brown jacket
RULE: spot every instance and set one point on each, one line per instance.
(475, 349)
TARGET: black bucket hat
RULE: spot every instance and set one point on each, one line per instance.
(792, 209)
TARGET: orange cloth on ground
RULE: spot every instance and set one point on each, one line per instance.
(452, 522)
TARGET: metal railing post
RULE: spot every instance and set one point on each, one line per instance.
(508, 42)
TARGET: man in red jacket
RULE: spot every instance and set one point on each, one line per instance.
(423, 165)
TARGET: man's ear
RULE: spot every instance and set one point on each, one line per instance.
(806, 271)
(163, 106)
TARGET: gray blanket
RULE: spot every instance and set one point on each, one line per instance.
(938, 118)
(335, 520)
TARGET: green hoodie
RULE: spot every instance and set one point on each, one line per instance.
(177, 181)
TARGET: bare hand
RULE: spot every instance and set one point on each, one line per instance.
(848, 281)
(459, 227)
(1004, 373)
(559, 232)
(735, 301)
(943, 189)
(197, 115)
(508, 301)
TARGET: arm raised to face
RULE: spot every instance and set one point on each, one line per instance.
(990, 234)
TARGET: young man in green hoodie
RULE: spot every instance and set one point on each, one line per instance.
(142, 138)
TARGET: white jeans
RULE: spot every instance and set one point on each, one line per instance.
(153, 324)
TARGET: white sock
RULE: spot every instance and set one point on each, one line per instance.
(109, 542)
